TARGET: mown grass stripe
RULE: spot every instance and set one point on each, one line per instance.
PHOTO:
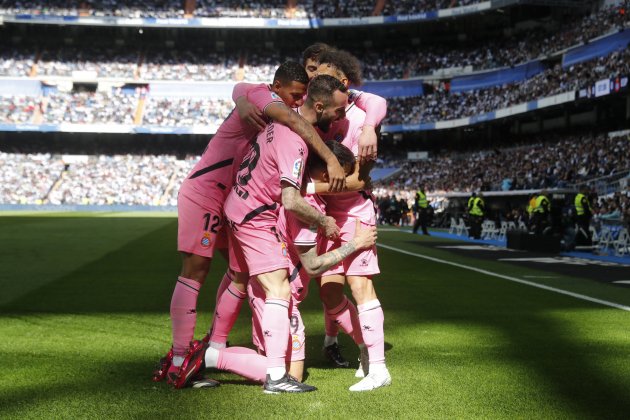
(510, 278)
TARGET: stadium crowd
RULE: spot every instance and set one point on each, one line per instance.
(441, 104)
(186, 112)
(89, 108)
(225, 8)
(17, 109)
(553, 163)
(198, 63)
(445, 105)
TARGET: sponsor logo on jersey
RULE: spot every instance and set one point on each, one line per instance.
(297, 168)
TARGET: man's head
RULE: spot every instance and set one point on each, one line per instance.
(317, 167)
(290, 83)
(310, 57)
(328, 98)
(342, 65)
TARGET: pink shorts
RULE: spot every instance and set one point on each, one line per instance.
(296, 345)
(361, 263)
(257, 250)
(199, 222)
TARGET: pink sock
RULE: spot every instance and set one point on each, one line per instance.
(330, 326)
(371, 318)
(275, 326)
(345, 316)
(228, 277)
(244, 362)
(226, 312)
(184, 313)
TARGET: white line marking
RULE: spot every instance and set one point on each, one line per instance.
(514, 279)
(622, 281)
(540, 277)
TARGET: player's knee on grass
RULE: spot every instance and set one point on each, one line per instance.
(195, 267)
(331, 294)
(362, 289)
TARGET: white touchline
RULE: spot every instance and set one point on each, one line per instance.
(514, 279)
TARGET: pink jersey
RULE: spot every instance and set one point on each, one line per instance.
(299, 233)
(277, 155)
(215, 171)
(353, 204)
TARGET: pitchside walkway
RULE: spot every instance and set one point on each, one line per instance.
(575, 254)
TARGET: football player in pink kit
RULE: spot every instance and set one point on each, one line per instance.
(269, 175)
(228, 304)
(201, 197)
(304, 263)
(359, 268)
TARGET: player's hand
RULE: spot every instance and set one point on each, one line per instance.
(330, 228)
(336, 176)
(368, 144)
(249, 114)
(364, 237)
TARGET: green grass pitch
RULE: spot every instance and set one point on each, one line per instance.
(84, 304)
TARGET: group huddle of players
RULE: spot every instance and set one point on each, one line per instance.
(282, 191)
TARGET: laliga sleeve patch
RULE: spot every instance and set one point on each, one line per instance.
(297, 168)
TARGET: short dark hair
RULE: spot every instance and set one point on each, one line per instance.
(291, 71)
(341, 152)
(313, 51)
(322, 87)
(345, 62)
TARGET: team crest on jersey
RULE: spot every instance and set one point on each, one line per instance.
(206, 241)
(338, 137)
(296, 344)
(297, 168)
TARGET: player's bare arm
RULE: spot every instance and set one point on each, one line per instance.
(317, 264)
(293, 201)
(375, 108)
(284, 115)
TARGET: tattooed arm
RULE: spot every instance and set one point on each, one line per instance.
(317, 264)
(293, 201)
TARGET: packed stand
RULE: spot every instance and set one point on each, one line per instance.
(17, 109)
(26, 179)
(15, 63)
(140, 9)
(106, 62)
(445, 105)
(195, 64)
(89, 108)
(550, 164)
(122, 179)
(271, 9)
(181, 169)
(614, 207)
(186, 112)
